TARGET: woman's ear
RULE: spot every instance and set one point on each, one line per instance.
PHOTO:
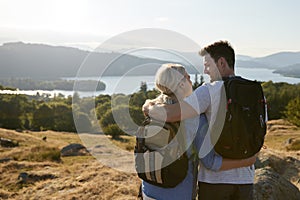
(181, 84)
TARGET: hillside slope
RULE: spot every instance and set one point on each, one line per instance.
(84, 177)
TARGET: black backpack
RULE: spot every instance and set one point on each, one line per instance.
(244, 128)
(160, 157)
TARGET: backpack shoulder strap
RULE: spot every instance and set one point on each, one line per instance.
(195, 166)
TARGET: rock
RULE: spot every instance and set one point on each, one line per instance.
(25, 178)
(3, 160)
(273, 161)
(276, 176)
(289, 141)
(19, 130)
(4, 142)
(293, 145)
(279, 162)
(269, 185)
(74, 150)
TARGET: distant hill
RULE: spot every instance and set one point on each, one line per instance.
(243, 57)
(290, 71)
(280, 59)
(284, 63)
(250, 64)
(39, 61)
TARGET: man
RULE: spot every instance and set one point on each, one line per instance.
(219, 59)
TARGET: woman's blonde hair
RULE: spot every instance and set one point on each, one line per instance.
(168, 76)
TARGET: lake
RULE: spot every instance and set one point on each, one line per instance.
(131, 84)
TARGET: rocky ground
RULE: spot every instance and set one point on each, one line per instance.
(35, 168)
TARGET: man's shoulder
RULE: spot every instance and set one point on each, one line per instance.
(213, 86)
(202, 90)
(207, 88)
(214, 83)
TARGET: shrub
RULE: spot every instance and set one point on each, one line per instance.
(113, 130)
(292, 111)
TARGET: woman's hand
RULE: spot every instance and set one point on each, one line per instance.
(146, 106)
(250, 161)
(237, 163)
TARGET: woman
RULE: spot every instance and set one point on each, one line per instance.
(174, 83)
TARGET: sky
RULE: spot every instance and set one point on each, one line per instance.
(254, 27)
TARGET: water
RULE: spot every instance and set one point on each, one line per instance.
(261, 74)
(131, 84)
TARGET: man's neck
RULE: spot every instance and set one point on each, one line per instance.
(228, 76)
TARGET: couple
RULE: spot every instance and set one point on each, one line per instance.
(218, 178)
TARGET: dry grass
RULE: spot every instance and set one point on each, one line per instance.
(282, 135)
(283, 149)
(125, 142)
(84, 177)
(80, 177)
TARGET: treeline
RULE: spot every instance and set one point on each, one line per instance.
(283, 101)
(31, 84)
(116, 114)
(7, 88)
(22, 112)
(40, 113)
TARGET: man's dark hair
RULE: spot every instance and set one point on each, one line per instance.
(220, 49)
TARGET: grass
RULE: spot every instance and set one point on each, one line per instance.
(85, 177)
(279, 141)
(79, 177)
(279, 133)
(294, 145)
(125, 142)
(40, 154)
(71, 160)
(32, 154)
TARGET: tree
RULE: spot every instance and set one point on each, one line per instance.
(76, 98)
(63, 117)
(197, 83)
(278, 96)
(102, 98)
(86, 104)
(102, 109)
(152, 94)
(292, 112)
(137, 99)
(119, 99)
(43, 117)
(119, 116)
(113, 130)
(13, 109)
(143, 87)
(83, 123)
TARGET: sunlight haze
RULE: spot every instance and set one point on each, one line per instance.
(255, 28)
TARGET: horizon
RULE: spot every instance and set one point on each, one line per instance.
(89, 49)
(254, 28)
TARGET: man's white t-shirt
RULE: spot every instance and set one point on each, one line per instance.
(208, 99)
